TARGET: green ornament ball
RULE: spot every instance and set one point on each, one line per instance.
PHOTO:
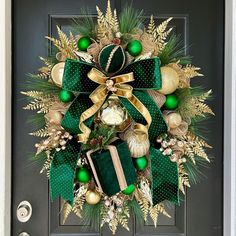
(134, 48)
(141, 163)
(84, 43)
(129, 190)
(66, 96)
(171, 102)
(111, 58)
(83, 175)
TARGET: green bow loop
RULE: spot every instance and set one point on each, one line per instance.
(147, 74)
(62, 172)
(165, 178)
(72, 117)
(158, 125)
(75, 77)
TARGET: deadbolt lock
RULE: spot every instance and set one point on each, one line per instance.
(24, 212)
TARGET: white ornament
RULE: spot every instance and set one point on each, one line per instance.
(57, 73)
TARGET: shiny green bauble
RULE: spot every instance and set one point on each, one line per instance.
(66, 96)
(129, 190)
(134, 48)
(83, 175)
(141, 163)
(171, 102)
(84, 43)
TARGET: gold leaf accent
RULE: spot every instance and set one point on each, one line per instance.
(106, 24)
(159, 33)
(47, 164)
(78, 205)
(156, 210)
(67, 209)
(193, 145)
(143, 202)
(41, 102)
(195, 106)
(66, 45)
(40, 133)
(183, 178)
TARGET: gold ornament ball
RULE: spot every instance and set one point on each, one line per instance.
(170, 80)
(173, 120)
(57, 73)
(92, 197)
(55, 117)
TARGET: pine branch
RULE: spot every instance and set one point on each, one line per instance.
(130, 20)
(174, 51)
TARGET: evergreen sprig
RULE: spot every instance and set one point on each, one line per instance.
(130, 20)
(174, 51)
(100, 136)
(84, 25)
(34, 82)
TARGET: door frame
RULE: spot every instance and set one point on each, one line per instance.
(229, 118)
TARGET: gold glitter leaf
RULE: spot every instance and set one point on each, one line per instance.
(67, 209)
(156, 210)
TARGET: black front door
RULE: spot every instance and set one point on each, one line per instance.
(201, 25)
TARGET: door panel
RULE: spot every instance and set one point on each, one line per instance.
(201, 25)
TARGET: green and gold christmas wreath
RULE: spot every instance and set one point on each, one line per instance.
(118, 118)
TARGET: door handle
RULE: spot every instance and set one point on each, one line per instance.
(23, 234)
(24, 212)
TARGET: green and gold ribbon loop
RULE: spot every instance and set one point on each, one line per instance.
(85, 78)
(116, 85)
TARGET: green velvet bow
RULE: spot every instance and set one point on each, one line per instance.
(147, 77)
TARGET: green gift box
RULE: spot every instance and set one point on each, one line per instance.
(112, 168)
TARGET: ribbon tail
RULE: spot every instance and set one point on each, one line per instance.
(158, 125)
(150, 111)
(62, 172)
(71, 119)
(82, 137)
(165, 178)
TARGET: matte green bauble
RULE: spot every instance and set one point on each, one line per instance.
(111, 58)
(134, 48)
(129, 190)
(83, 175)
(84, 43)
(141, 163)
(171, 102)
(66, 96)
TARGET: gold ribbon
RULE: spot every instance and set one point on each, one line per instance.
(117, 85)
(117, 166)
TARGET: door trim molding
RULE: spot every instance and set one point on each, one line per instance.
(229, 119)
(5, 118)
